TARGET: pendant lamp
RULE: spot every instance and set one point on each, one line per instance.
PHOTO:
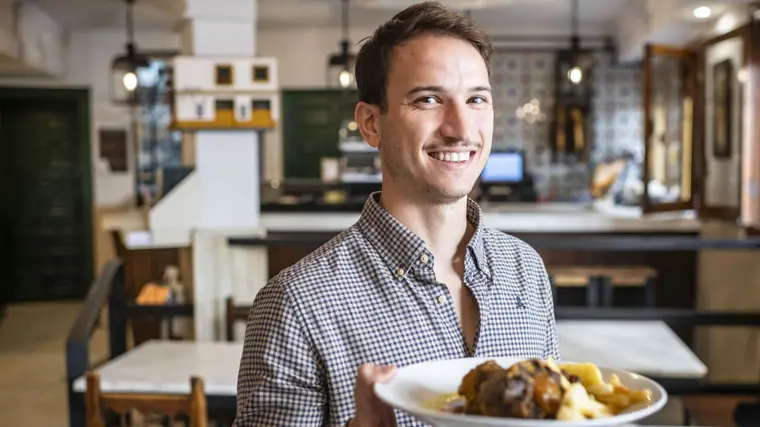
(125, 69)
(341, 65)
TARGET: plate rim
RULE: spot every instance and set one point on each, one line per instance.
(619, 419)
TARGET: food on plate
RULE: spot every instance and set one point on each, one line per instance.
(538, 389)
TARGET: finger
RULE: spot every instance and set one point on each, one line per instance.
(370, 373)
(385, 373)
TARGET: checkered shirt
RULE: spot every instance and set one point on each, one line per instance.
(370, 295)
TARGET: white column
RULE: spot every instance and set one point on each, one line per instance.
(227, 168)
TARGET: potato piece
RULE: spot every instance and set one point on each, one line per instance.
(589, 373)
(566, 413)
(577, 400)
(634, 396)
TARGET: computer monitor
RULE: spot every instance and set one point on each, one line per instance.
(504, 167)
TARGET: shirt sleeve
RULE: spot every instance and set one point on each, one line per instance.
(552, 340)
(280, 381)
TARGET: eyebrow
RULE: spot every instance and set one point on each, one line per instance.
(441, 89)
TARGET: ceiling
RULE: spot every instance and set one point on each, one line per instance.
(87, 14)
(150, 14)
(520, 14)
(504, 16)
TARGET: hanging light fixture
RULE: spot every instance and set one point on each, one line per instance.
(341, 66)
(579, 59)
(125, 69)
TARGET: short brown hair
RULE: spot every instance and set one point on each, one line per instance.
(430, 17)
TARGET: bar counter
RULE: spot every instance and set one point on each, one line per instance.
(547, 217)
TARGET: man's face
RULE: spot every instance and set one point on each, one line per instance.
(436, 134)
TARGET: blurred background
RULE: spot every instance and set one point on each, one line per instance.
(162, 159)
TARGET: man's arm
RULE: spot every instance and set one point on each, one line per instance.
(552, 340)
(279, 382)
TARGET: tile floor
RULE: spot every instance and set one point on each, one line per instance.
(32, 357)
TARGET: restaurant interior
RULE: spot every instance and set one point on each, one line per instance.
(180, 153)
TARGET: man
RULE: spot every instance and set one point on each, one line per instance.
(419, 276)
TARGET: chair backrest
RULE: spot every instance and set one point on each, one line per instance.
(192, 405)
(235, 313)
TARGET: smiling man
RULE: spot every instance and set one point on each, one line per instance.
(419, 276)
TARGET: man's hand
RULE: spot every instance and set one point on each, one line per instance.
(371, 411)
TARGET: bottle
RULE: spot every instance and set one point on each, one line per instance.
(178, 295)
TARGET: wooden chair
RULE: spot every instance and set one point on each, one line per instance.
(575, 277)
(603, 280)
(626, 277)
(98, 403)
(234, 314)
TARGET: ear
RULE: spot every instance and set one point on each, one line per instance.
(367, 116)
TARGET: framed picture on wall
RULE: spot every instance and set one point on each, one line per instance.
(723, 79)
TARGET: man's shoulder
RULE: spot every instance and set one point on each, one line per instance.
(501, 243)
(330, 263)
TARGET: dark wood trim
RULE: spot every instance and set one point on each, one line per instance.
(689, 88)
(750, 212)
(742, 31)
(646, 100)
(726, 213)
(81, 98)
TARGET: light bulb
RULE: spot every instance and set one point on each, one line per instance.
(702, 12)
(129, 81)
(345, 78)
(575, 75)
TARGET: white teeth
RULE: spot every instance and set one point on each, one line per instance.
(451, 157)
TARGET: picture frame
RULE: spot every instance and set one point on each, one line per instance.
(722, 117)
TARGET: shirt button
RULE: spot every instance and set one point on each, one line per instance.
(400, 272)
(441, 299)
(424, 259)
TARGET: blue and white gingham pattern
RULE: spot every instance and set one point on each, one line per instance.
(370, 295)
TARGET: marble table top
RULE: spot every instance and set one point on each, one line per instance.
(650, 348)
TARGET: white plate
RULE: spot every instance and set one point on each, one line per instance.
(415, 385)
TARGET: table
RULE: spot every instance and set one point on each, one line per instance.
(159, 366)
(650, 348)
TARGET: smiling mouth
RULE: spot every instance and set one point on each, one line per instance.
(451, 157)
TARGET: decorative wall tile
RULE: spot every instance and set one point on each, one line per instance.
(521, 77)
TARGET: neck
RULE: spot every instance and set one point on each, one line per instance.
(443, 227)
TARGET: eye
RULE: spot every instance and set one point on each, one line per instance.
(426, 100)
(479, 100)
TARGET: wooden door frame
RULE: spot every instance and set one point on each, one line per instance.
(689, 83)
(81, 98)
(730, 214)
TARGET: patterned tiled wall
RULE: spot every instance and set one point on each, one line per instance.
(526, 77)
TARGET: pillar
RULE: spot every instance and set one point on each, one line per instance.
(227, 170)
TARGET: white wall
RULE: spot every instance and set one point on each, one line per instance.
(87, 65)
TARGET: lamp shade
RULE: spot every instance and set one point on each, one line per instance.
(125, 69)
(340, 69)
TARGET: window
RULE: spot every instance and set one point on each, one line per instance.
(225, 104)
(199, 110)
(261, 104)
(224, 74)
(260, 73)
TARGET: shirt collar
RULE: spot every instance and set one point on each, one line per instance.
(400, 248)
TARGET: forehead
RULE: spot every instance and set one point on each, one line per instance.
(435, 59)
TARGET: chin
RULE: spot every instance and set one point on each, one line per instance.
(449, 194)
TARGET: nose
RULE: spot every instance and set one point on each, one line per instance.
(456, 123)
